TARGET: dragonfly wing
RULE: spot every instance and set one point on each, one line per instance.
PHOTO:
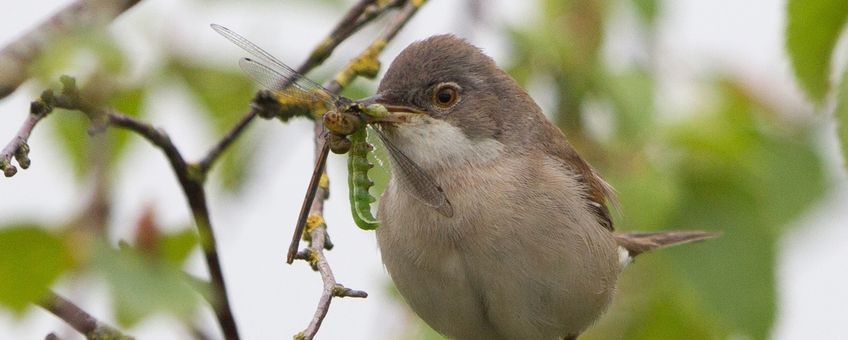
(424, 187)
(273, 73)
(279, 83)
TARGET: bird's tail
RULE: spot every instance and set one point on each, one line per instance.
(637, 243)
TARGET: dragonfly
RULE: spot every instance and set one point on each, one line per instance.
(285, 82)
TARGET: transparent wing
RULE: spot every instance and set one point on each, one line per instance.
(281, 85)
(424, 187)
(273, 73)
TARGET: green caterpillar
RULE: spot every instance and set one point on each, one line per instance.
(358, 181)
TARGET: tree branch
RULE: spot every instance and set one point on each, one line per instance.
(16, 56)
(189, 178)
(191, 182)
(315, 256)
(79, 319)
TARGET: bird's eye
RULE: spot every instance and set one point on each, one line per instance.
(446, 95)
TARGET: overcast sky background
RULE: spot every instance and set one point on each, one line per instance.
(273, 300)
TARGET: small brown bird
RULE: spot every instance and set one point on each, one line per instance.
(501, 231)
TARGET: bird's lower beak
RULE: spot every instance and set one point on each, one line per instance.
(392, 114)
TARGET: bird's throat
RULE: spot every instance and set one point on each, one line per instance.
(436, 145)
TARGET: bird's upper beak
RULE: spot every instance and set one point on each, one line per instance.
(396, 113)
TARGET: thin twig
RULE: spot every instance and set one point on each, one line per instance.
(316, 227)
(17, 55)
(18, 147)
(331, 288)
(79, 319)
(215, 152)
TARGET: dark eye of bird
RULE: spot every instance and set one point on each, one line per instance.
(446, 95)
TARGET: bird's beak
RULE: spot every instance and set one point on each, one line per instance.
(396, 113)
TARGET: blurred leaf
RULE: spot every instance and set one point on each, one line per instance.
(648, 196)
(225, 94)
(653, 302)
(226, 97)
(74, 53)
(129, 101)
(647, 10)
(31, 259)
(841, 115)
(632, 95)
(142, 286)
(739, 174)
(80, 148)
(69, 127)
(811, 33)
(176, 247)
(564, 45)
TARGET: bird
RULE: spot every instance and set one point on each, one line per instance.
(519, 243)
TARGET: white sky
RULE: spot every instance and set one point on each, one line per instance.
(275, 300)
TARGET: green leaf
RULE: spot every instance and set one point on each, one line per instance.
(69, 127)
(743, 174)
(654, 302)
(129, 102)
(841, 116)
(31, 259)
(647, 9)
(632, 95)
(225, 94)
(648, 196)
(80, 148)
(142, 285)
(177, 247)
(811, 33)
(65, 53)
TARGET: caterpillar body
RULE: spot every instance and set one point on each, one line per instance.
(358, 181)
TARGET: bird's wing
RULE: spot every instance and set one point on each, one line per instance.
(598, 191)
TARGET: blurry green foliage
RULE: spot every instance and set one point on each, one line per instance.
(100, 86)
(841, 115)
(812, 32)
(31, 259)
(225, 95)
(105, 147)
(740, 174)
(813, 28)
(142, 285)
(71, 53)
(647, 9)
(176, 247)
